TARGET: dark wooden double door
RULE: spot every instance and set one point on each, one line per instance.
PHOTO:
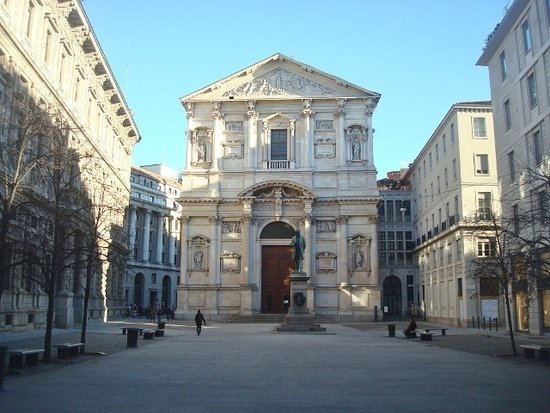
(276, 268)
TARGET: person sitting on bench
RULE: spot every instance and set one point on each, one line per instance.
(410, 328)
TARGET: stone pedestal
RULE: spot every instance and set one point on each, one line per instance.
(299, 318)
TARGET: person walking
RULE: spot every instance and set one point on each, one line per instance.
(199, 321)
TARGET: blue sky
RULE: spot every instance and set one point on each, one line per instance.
(419, 54)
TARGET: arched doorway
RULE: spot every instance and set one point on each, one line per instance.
(276, 267)
(139, 283)
(392, 297)
(166, 288)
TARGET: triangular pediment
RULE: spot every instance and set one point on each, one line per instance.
(279, 77)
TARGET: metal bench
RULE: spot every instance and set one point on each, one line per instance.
(24, 357)
(67, 350)
(532, 350)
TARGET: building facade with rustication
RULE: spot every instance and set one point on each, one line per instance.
(277, 147)
(52, 67)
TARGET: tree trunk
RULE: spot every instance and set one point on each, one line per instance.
(510, 324)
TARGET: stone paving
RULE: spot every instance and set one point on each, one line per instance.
(249, 368)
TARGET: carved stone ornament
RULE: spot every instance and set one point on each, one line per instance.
(233, 148)
(230, 263)
(324, 125)
(326, 263)
(280, 82)
(325, 148)
(299, 299)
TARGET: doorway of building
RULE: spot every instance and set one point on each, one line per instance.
(392, 300)
(276, 268)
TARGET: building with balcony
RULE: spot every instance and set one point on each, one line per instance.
(154, 223)
(453, 183)
(52, 67)
(277, 147)
(517, 54)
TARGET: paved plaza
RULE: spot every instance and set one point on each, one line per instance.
(252, 368)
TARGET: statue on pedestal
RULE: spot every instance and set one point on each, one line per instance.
(299, 244)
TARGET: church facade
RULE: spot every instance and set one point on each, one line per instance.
(277, 147)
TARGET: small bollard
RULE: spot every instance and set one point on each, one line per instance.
(391, 330)
(132, 337)
(3, 354)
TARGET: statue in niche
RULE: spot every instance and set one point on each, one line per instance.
(197, 260)
(201, 152)
(358, 258)
(356, 150)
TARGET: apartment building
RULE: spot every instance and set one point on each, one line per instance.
(453, 183)
(52, 67)
(517, 54)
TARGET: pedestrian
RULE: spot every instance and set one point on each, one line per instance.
(411, 328)
(199, 320)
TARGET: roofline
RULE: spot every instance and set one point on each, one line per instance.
(496, 37)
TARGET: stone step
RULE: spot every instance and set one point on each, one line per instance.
(266, 318)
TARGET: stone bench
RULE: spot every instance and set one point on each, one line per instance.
(148, 334)
(443, 330)
(159, 332)
(67, 350)
(426, 335)
(24, 357)
(532, 350)
(125, 329)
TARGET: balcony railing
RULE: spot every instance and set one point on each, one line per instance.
(279, 164)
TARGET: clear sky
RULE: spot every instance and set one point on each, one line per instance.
(419, 54)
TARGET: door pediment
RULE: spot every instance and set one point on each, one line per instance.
(277, 189)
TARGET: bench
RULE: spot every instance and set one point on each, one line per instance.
(148, 334)
(24, 357)
(531, 350)
(66, 350)
(159, 332)
(124, 329)
(443, 330)
(426, 335)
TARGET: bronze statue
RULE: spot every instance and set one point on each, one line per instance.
(299, 244)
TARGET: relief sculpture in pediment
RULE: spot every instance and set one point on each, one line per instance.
(280, 82)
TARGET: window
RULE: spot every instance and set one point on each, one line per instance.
(484, 207)
(537, 147)
(532, 90)
(278, 145)
(486, 247)
(430, 160)
(444, 141)
(454, 169)
(48, 46)
(508, 114)
(482, 164)
(436, 153)
(548, 11)
(543, 207)
(515, 218)
(452, 133)
(503, 66)
(526, 31)
(512, 166)
(30, 15)
(446, 178)
(480, 129)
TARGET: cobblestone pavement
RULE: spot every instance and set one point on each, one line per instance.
(104, 340)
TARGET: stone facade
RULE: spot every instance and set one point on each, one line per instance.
(154, 243)
(49, 55)
(517, 54)
(276, 147)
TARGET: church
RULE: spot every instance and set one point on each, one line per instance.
(277, 147)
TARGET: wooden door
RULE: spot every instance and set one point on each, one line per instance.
(276, 268)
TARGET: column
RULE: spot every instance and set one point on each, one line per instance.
(246, 263)
(184, 256)
(170, 239)
(146, 229)
(369, 109)
(215, 237)
(308, 144)
(343, 273)
(132, 231)
(252, 138)
(340, 128)
(158, 243)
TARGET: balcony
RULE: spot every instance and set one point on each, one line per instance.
(278, 165)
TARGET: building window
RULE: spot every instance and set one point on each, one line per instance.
(482, 164)
(515, 218)
(436, 153)
(512, 166)
(543, 207)
(446, 178)
(486, 247)
(548, 11)
(537, 147)
(454, 169)
(30, 16)
(484, 205)
(153, 278)
(452, 133)
(278, 145)
(532, 90)
(503, 66)
(508, 114)
(526, 31)
(444, 141)
(480, 128)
